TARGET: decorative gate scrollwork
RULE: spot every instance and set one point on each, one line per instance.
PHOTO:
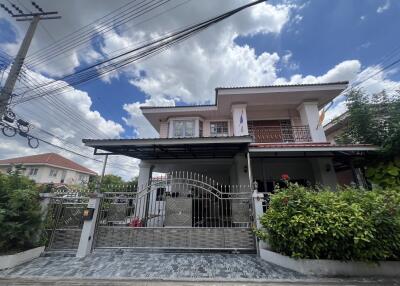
(64, 222)
(179, 210)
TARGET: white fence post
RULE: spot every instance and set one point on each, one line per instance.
(258, 211)
(44, 203)
(89, 226)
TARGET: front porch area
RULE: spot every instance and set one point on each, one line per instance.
(308, 164)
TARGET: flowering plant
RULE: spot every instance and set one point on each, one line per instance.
(285, 177)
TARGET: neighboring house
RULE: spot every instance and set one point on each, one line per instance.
(336, 127)
(251, 133)
(49, 168)
(345, 174)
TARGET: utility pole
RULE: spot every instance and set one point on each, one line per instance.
(34, 18)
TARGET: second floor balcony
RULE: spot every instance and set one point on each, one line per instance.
(280, 134)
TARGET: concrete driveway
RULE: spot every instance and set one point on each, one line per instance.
(130, 268)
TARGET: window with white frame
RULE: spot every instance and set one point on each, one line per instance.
(184, 128)
(219, 128)
(82, 178)
(53, 173)
(33, 171)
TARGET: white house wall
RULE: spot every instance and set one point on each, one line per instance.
(324, 172)
(164, 130)
(271, 169)
(309, 114)
(266, 113)
(43, 175)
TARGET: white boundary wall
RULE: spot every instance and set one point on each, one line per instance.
(9, 261)
(332, 268)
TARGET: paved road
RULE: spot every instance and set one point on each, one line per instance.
(123, 282)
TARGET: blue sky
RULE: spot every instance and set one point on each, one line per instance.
(281, 41)
(328, 33)
(333, 31)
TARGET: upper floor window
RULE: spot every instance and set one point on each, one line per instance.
(82, 178)
(33, 171)
(219, 128)
(200, 128)
(184, 128)
(53, 173)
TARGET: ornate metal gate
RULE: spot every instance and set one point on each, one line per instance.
(64, 221)
(179, 211)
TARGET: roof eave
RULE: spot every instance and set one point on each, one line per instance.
(166, 141)
(313, 149)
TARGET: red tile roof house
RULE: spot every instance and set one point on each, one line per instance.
(49, 168)
(250, 134)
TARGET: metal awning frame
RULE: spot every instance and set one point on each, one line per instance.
(172, 148)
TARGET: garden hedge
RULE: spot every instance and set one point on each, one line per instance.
(348, 224)
(20, 214)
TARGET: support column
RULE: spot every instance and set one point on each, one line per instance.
(309, 115)
(7, 90)
(45, 199)
(239, 118)
(242, 170)
(358, 176)
(144, 200)
(324, 172)
(89, 227)
(257, 212)
(44, 203)
(145, 173)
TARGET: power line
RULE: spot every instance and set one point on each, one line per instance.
(33, 18)
(71, 113)
(153, 47)
(91, 34)
(97, 38)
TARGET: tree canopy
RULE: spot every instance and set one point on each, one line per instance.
(376, 120)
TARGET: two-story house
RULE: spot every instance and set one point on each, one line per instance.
(48, 168)
(212, 155)
(250, 133)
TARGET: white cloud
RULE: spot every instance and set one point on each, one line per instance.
(337, 109)
(344, 71)
(383, 7)
(368, 84)
(190, 71)
(363, 17)
(187, 73)
(288, 63)
(135, 119)
(72, 121)
(365, 45)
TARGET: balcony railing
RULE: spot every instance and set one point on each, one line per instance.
(279, 134)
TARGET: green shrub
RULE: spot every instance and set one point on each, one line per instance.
(385, 174)
(348, 224)
(20, 213)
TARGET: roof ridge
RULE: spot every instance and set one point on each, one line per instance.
(50, 158)
(286, 85)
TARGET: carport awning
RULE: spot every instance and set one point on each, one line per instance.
(172, 148)
(318, 149)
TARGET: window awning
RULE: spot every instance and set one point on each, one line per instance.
(172, 148)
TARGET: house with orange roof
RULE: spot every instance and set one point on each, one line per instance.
(48, 168)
